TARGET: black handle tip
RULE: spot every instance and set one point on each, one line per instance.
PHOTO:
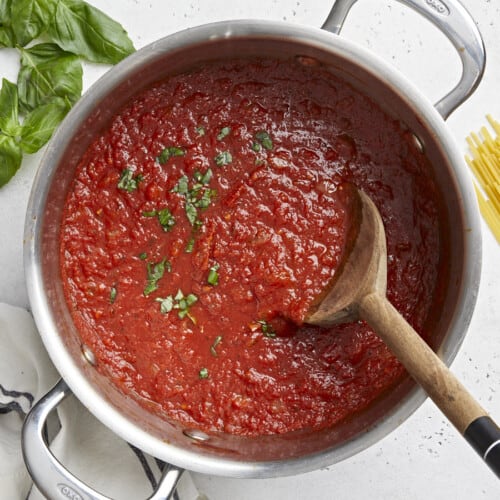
(484, 436)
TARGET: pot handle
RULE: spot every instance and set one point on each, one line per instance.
(453, 20)
(50, 476)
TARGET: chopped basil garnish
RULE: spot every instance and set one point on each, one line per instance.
(182, 186)
(223, 158)
(189, 246)
(166, 304)
(180, 302)
(224, 132)
(203, 373)
(204, 178)
(165, 217)
(198, 195)
(128, 182)
(112, 295)
(143, 256)
(169, 152)
(200, 130)
(155, 273)
(267, 329)
(213, 347)
(213, 275)
(265, 139)
(256, 147)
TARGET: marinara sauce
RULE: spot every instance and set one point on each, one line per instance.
(203, 221)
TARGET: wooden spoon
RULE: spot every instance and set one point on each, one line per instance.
(358, 291)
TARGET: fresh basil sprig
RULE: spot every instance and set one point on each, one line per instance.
(46, 72)
(82, 29)
(50, 76)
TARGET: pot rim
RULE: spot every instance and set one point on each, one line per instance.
(73, 375)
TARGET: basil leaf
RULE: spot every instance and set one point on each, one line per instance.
(5, 6)
(39, 125)
(46, 72)
(84, 30)
(223, 158)
(30, 18)
(10, 156)
(168, 153)
(9, 118)
(7, 36)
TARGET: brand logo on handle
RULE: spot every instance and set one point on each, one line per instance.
(69, 492)
(439, 6)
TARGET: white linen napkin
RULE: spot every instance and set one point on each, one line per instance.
(85, 446)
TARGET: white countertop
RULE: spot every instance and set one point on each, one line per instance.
(424, 458)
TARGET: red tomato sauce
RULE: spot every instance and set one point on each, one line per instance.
(209, 210)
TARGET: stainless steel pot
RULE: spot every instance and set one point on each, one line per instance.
(221, 454)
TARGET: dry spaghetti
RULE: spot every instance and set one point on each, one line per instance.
(485, 165)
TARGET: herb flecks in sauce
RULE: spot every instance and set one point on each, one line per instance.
(170, 152)
(155, 272)
(267, 329)
(264, 139)
(128, 182)
(165, 218)
(224, 132)
(213, 347)
(182, 303)
(213, 275)
(197, 194)
(223, 158)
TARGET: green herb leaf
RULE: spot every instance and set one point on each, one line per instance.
(83, 29)
(182, 186)
(143, 256)
(39, 125)
(267, 329)
(200, 130)
(128, 182)
(203, 373)
(213, 275)
(225, 131)
(30, 18)
(11, 158)
(155, 273)
(256, 147)
(166, 304)
(191, 212)
(265, 139)
(47, 72)
(203, 178)
(180, 302)
(170, 152)
(223, 158)
(197, 196)
(189, 246)
(7, 36)
(165, 218)
(9, 109)
(213, 347)
(112, 295)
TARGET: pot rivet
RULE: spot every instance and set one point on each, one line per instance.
(418, 143)
(88, 355)
(196, 435)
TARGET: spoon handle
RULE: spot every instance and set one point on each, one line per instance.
(427, 369)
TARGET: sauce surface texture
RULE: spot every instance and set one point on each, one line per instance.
(208, 211)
